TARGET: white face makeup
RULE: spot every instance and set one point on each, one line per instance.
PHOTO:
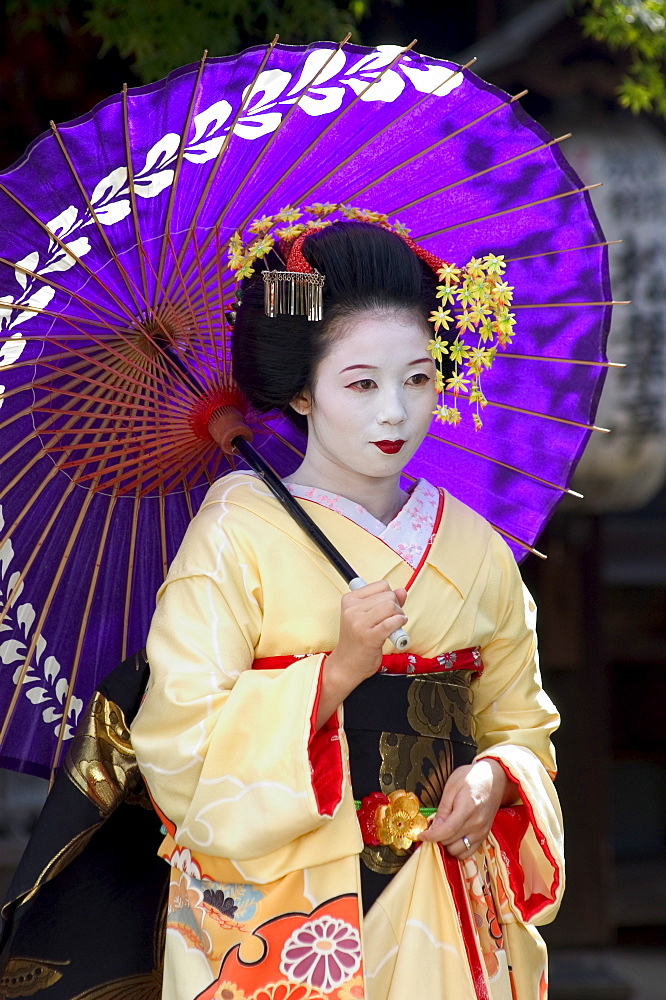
(374, 394)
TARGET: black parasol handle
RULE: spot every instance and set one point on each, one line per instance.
(398, 637)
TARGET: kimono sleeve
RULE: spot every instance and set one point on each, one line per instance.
(230, 754)
(514, 720)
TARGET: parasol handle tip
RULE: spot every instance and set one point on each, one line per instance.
(226, 424)
(398, 637)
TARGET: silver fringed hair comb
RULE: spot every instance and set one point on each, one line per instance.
(293, 293)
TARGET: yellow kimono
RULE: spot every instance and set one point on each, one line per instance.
(261, 826)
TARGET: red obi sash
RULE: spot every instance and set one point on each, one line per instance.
(397, 663)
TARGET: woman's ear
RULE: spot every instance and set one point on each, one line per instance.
(302, 402)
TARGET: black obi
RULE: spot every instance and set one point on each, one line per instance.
(406, 732)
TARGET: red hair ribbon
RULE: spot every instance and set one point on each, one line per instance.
(296, 261)
(434, 263)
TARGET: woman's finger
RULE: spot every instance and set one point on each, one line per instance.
(464, 847)
(377, 612)
(447, 827)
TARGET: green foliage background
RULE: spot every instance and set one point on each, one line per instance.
(159, 35)
(639, 28)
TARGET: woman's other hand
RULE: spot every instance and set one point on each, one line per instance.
(471, 798)
(367, 618)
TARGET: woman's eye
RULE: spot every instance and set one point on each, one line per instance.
(363, 384)
(419, 379)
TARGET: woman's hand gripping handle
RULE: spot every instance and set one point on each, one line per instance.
(398, 637)
(369, 615)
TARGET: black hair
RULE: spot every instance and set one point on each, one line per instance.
(366, 268)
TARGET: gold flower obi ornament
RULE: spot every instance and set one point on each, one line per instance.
(395, 820)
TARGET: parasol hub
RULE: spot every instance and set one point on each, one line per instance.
(167, 326)
(219, 398)
(226, 424)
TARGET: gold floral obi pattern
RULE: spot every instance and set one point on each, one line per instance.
(406, 735)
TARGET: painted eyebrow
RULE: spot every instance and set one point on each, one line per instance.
(373, 368)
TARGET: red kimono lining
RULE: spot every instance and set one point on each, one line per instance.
(509, 828)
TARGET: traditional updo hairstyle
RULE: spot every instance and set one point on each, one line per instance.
(367, 269)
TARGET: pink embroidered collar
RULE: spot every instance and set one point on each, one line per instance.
(408, 534)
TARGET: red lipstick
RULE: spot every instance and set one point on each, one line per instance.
(389, 447)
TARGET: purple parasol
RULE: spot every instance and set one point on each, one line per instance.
(113, 267)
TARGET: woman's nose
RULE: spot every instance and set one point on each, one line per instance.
(392, 409)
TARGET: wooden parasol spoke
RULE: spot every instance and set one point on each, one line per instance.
(518, 541)
(540, 415)
(150, 475)
(55, 470)
(508, 211)
(188, 498)
(219, 270)
(101, 362)
(37, 631)
(139, 406)
(74, 321)
(203, 346)
(480, 173)
(562, 361)
(110, 454)
(436, 145)
(84, 358)
(217, 460)
(130, 573)
(141, 306)
(55, 760)
(89, 456)
(505, 465)
(176, 176)
(128, 420)
(276, 434)
(501, 531)
(128, 281)
(550, 253)
(124, 448)
(207, 306)
(37, 433)
(28, 410)
(179, 473)
(182, 330)
(101, 383)
(163, 544)
(94, 307)
(212, 175)
(205, 297)
(564, 305)
(265, 150)
(132, 195)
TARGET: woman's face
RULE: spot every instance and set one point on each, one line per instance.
(373, 397)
